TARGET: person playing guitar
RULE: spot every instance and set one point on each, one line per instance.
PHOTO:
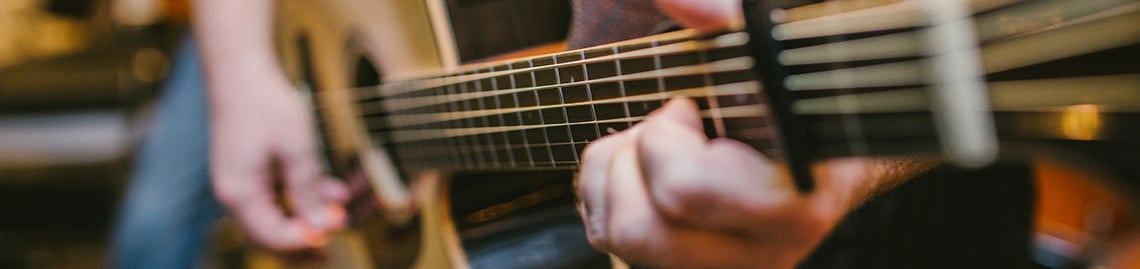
(660, 193)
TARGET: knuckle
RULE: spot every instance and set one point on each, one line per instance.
(597, 149)
(628, 243)
(596, 239)
(680, 196)
(605, 146)
(630, 231)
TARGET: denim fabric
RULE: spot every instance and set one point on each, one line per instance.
(169, 208)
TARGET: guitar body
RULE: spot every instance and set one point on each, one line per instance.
(323, 45)
(329, 47)
(438, 218)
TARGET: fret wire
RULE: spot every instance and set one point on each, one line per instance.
(851, 125)
(502, 120)
(590, 97)
(671, 37)
(737, 88)
(730, 40)
(444, 148)
(448, 160)
(661, 88)
(404, 136)
(714, 105)
(741, 63)
(621, 85)
(475, 140)
(422, 161)
(529, 156)
(565, 113)
(1074, 17)
(434, 150)
(483, 106)
(452, 159)
(541, 117)
(403, 149)
(466, 159)
(657, 68)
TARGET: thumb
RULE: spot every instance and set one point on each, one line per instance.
(316, 199)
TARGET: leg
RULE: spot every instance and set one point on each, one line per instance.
(169, 208)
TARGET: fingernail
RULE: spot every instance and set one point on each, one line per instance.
(314, 238)
(337, 217)
(318, 220)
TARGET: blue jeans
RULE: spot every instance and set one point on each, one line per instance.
(168, 210)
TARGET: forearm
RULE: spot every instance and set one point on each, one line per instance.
(235, 40)
(883, 174)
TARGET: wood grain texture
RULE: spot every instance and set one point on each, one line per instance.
(597, 22)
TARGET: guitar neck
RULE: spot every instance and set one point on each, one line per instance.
(857, 98)
(540, 113)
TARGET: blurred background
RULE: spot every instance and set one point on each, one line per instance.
(76, 80)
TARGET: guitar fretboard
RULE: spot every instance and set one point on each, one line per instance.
(541, 112)
(862, 90)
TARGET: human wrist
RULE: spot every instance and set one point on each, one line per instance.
(243, 82)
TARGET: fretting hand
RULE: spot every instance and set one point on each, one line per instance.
(663, 194)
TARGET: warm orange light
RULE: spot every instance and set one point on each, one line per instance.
(1081, 122)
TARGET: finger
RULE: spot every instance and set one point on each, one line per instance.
(717, 184)
(591, 182)
(681, 110)
(336, 193)
(703, 15)
(306, 187)
(750, 191)
(630, 220)
(265, 222)
(638, 234)
(335, 190)
(671, 150)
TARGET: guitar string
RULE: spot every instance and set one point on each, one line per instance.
(565, 113)
(899, 73)
(995, 57)
(478, 87)
(989, 29)
(714, 104)
(402, 120)
(1116, 91)
(1115, 88)
(669, 37)
(908, 14)
(529, 154)
(404, 136)
(725, 65)
(541, 117)
(846, 19)
(421, 147)
(852, 127)
(402, 87)
(502, 119)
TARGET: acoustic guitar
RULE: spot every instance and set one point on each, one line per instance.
(973, 81)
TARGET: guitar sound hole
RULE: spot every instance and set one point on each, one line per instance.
(521, 220)
(365, 73)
